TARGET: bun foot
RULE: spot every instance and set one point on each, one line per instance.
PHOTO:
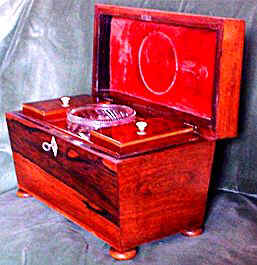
(129, 254)
(192, 232)
(22, 194)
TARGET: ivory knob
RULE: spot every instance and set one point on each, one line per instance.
(141, 125)
(65, 101)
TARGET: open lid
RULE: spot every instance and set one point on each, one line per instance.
(188, 63)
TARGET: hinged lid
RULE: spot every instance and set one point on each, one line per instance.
(189, 63)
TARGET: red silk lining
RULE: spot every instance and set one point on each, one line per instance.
(170, 65)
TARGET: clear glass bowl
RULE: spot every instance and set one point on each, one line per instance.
(96, 116)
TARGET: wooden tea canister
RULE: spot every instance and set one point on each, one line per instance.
(146, 179)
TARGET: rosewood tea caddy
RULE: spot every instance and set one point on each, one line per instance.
(132, 162)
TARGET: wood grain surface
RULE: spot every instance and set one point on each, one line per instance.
(143, 198)
(164, 192)
(159, 133)
(60, 197)
(83, 171)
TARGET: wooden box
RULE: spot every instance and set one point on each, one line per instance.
(181, 74)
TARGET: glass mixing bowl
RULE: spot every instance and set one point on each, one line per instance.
(96, 116)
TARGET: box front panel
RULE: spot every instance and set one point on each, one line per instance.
(86, 173)
(62, 198)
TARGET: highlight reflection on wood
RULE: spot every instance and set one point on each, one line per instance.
(129, 254)
(22, 194)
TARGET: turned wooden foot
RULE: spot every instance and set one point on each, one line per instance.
(22, 194)
(129, 254)
(192, 232)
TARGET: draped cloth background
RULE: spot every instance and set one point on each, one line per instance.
(46, 52)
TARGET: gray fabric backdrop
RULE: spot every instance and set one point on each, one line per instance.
(32, 234)
(46, 52)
